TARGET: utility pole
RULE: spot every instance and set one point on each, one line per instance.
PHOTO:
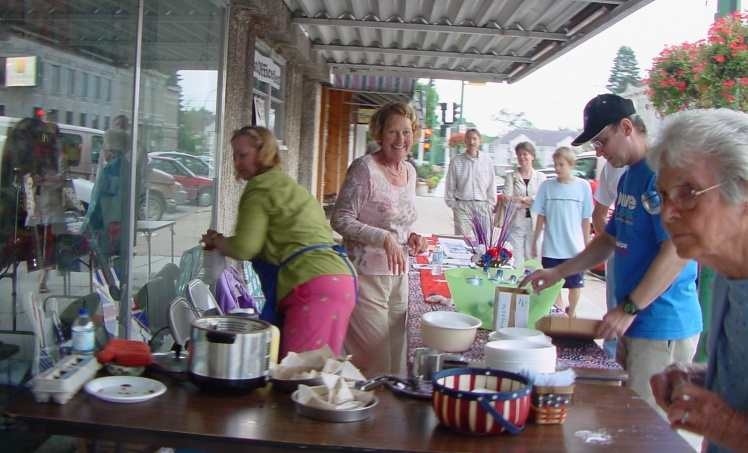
(462, 99)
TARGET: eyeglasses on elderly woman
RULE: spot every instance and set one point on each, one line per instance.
(683, 197)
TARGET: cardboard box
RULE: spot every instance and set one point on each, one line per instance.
(563, 326)
(511, 307)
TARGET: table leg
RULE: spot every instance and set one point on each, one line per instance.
(14, 292)
(172, 243)
(148, 240)
(90, 270)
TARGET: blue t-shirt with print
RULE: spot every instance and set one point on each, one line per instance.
(676, 314)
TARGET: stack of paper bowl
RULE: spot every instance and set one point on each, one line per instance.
(520, 355)
(519, 333)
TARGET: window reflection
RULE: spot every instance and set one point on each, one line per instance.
(66, 140)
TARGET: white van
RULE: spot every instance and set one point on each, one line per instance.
(82, 146)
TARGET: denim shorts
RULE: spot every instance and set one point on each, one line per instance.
(571, 281)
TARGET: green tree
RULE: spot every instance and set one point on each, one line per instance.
(429, 102)
(625, 71)
(511, 120)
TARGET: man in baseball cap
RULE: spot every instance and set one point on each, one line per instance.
(657, 318)
(601, 111)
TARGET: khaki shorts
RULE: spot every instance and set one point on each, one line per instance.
(642, 358)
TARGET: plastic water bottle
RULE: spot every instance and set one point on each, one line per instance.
(437, 259)
(83, 333)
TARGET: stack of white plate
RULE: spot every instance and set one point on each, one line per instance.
(520, 355)
(519, 333)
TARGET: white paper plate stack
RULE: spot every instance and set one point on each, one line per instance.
(520, 355)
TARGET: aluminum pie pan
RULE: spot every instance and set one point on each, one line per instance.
(342, 416)
(290, 385)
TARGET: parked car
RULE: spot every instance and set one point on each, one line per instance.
(199, 188)
(164, 193)
(550, 172)
(588, 166)
(196, 164)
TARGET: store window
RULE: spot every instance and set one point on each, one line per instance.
(180, 68)
(108, 90)
(267, 106)
(71, 83)
(97, 87)
(56, 79)
(58, 46)
(84, 85)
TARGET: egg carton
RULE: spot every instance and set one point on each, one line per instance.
(61, 382)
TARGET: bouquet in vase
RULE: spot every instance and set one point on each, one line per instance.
(491, 247)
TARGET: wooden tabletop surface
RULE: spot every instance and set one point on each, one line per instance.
(265, 420)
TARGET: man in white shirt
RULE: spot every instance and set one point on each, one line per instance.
(470, 186)
(605, 196)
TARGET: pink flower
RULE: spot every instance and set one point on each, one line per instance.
(719, 59)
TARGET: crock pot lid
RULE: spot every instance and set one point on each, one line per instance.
(231, 324)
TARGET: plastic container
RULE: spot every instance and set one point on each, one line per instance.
(83, 334)
(449, 331)
(473, 292)
(437, 259)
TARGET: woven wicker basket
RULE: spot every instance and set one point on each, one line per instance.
(549, 404)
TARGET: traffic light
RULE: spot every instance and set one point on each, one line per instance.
(456, 111)
(427, 139)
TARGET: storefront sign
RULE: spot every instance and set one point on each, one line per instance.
(267, 70)
(20, 71)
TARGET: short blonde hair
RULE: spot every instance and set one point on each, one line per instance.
(265, 142)
(380, 117)
(565, 153)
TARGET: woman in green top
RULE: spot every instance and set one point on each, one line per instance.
(280, 223)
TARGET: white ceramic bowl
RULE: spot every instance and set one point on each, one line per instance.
(520, 355)
(449, 331)
(519, 333)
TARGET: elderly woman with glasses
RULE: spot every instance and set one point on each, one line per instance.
(701, 160)
(282, 225)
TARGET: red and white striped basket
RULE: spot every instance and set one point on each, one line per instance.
(481, 401)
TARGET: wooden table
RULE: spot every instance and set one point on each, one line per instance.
(265, 420)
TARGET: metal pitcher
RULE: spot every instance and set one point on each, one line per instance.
(428, 361)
